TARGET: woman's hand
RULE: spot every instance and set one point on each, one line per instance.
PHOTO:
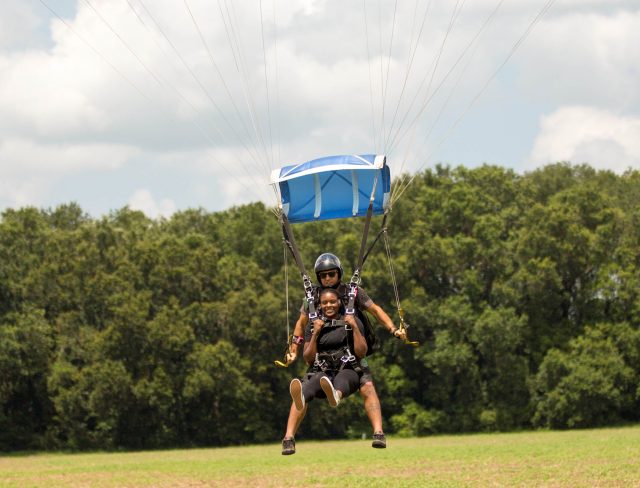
(317, 326)
(349, 319)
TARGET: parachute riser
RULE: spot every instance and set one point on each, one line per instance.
(290, 242)
(355, 279)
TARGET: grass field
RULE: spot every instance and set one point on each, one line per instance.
(586, 458)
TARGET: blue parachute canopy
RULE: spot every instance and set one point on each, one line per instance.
(333, 187)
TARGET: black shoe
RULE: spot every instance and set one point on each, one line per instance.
(289, 446)
(379, 440)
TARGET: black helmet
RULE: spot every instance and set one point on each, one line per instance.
(327, 261)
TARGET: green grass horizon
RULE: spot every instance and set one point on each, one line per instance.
(574, 458)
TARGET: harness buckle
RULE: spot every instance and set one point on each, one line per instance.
(320, 364)
(347, 358)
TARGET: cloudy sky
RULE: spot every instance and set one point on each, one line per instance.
(175, 104)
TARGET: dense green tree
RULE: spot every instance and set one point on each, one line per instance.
(26, 341)
(128, 332)
(593, 383)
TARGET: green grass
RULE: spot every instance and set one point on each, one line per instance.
(585, 458)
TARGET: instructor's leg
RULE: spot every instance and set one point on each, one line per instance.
(371, 405)
(294, 420)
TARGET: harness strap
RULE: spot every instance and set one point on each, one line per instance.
(351, 359)
(355, 279)
(290, 241)
(383, 230)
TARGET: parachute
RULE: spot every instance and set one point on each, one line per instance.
(413, 75)
(329, 188)
(333, 187)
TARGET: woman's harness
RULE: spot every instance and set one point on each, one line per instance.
(335, 361)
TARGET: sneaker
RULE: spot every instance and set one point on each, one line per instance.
(330, 391)
(288, 446)
(379, 440)
(295, 388)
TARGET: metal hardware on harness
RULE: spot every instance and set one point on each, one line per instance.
(335, 362)
(350, 309)
(308, 291)
(347, 358)
(283, 364)
(404, 326)
(336, 323)
(321, 365)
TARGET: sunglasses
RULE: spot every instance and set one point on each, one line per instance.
(328, 274)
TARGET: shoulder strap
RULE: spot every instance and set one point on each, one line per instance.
(289, 240)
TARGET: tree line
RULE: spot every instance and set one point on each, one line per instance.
(128, 332)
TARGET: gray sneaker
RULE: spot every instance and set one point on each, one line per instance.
(379, 440)
(288, 446)
(330, 391)
(295, 388)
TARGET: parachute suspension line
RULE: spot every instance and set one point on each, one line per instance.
(381, 56)
(125, 44)
(383, 228)
(446, 101)
(277, 90)
(386, 81)
(350, 309)
(242, 64)
(392, 272)
(286, 287)
(440, 112)
(164, 84)
(403, 325)
(233, 22)
(266, 85)
(290, 242)
(412, 52)
(193, 75)
(237, 58)
(255, 156)
(142, 92)
(355, 279)
(289, 337)
(373, 110)
(462, 55)
(436, 63)
(515, 47)
(99, 54)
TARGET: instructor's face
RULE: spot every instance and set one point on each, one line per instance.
(329, 279)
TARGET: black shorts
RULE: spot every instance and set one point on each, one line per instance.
(366, 376)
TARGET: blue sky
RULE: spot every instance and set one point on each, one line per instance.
(124, 103)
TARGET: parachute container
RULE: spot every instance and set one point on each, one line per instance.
(333, 187)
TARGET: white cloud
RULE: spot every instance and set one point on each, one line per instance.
(584, 57)
(588, 135)
(144, 201)
(66, 114)
(17, 24)
(19, 192)
(26, 156)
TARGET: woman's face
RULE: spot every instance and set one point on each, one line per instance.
(330, 305)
